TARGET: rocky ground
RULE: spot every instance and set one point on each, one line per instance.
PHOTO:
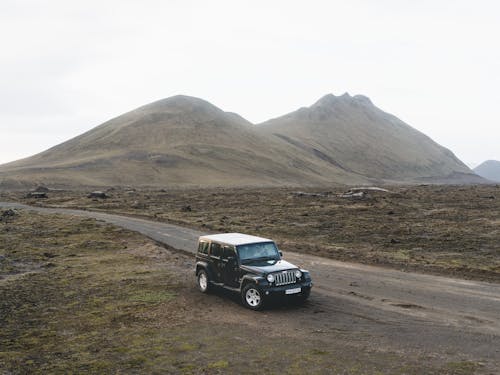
(451, 230)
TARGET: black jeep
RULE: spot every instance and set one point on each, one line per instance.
(248, 265)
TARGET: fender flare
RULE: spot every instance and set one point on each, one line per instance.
(250, 279)
(205, 266)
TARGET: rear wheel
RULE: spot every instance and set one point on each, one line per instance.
(252, 297)
(203, 281)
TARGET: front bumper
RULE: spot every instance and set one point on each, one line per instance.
(270, 291)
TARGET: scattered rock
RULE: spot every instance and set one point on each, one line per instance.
(97, 194)
(314, 195)
(393, 240)
(138, 205)
(391, 212)
(36, 195)
(352, 195)
(9, 213)
(186, 208)
(362, 192)
(41, 189)
(367, 189)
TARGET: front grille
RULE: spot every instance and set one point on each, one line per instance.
(283, 278)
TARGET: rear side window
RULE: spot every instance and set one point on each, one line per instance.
(203, 247)
(215, 249)
(228, 252)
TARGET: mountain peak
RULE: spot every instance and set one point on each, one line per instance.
(180, 103)
(329, 100)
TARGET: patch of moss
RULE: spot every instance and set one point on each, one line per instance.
(221, 364)
(152, 297)
(461, 368)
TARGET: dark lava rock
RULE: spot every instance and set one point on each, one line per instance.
(36, 195)
(9, 213)
(97, 194)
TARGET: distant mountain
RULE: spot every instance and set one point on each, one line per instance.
(353, 134)
(185, 141)
(490, 170)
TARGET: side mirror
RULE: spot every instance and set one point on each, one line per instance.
(281, 253)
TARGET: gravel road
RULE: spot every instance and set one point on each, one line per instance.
(429, 315)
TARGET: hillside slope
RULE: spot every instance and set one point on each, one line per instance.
(185, 141)
(178, 141)
(353, 134)
(489, 169)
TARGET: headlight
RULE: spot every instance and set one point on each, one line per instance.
(298, 274)
(270, 278)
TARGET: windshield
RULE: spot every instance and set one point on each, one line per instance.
(262, 250)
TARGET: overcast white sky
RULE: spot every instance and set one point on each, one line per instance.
(67, 66)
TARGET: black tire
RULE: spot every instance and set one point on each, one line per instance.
(252, 297)
(203, 281)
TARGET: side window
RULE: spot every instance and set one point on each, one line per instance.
(228, 251)
(215, 249)
(203, 247)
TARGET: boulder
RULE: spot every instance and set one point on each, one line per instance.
(138, 205)
(36, 195)
(97, 194)
(353, 195)
(7, 215)
(313, 195)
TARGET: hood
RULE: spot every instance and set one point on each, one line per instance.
(268, 266)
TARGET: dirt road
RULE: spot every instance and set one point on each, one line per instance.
(432, 316)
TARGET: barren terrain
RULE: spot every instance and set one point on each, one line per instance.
(447, 230)
(79, 295)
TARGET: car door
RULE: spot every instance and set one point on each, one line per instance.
(216, 261)
(230, 274)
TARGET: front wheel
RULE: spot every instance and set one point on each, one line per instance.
(203, 281)
(252, 297)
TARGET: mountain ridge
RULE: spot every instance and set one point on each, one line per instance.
(187, 141)
(364, 139)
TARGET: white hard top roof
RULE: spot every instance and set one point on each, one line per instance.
(234, 238)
